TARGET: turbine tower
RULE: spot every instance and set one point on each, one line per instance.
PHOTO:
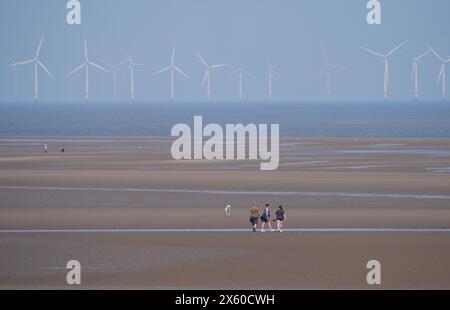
(131, 66)
(327, 70)
(86, 65)
(270, 72)
(386, 66)
(207, 76)
(415, 73)
(36, 63)
(241, 71)
(172, 68)
(114, 74)
(441, 77)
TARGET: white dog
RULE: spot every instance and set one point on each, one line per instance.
(227, 210)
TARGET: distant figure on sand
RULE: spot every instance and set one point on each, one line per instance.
(45, 148)
(281, 216)
(227, 210)
(265, 218)
(62, 150)
(255, 213)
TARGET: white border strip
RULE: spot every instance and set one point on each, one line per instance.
(225, 230)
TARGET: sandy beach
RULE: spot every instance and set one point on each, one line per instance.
(119, 184)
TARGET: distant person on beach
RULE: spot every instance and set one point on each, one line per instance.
(265, 218)
(255, 213)
(62, 150)
(45, 148)
(281, 216)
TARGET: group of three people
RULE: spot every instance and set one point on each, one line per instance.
(256, 214)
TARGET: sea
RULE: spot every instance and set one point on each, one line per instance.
(369, 119)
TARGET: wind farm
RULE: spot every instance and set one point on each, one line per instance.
(241, 73)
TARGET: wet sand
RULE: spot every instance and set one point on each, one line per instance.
(132, 183)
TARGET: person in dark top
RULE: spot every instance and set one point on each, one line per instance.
(265, 218)
(281, 216)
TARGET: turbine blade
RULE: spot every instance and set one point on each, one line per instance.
(162, 70)
(217, 66)
(181, 72)
(435, 54)
(396, 49)
(441, 73)
(98, 66)
(205, 77)
(23, 62)
(423, 55)
(85, 50)
(201, 59)
(45, 69)
(372, 52)
(413, 71)
(320, 73)
(340, 67)
(77, 69)
(39, 47)
(173, 54)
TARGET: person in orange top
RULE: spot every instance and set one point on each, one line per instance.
(255, 213)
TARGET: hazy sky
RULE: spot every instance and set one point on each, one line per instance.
(238, 32)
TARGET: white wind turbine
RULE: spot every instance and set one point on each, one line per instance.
(415, 73)
(241, 71)
(441, 77)
(36, 63)
(86, 65)
(327, 70)
(207, 76)
(172, 69)
(131, 66)
(114, 74)
(270, 72)
(386, 66)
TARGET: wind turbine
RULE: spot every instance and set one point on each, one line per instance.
(86, 65)
(36, 63)
(441, 77)
(172, 68)
(241, 71)
(386, 66)
(327, 69)
(415, 73)
(131, 66)
(207, 76)
(114, 73)
(269, 73)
